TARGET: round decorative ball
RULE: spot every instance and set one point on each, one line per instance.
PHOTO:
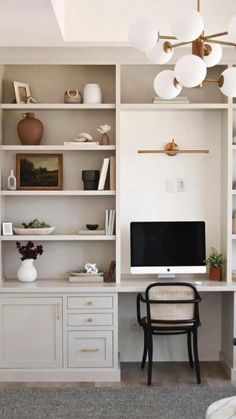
(188, 26)
(158, 55)
(143, 35)
(228, 78)
(190, 70)
(214, 57)
(164, 85)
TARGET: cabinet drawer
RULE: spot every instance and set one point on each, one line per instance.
(90, 349)
(90, 319)
(88, 301)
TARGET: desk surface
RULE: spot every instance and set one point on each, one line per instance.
(126, 286)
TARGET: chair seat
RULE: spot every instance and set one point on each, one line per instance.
(169, 325)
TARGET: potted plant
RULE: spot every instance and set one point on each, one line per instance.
(215, 262)
(29, 252)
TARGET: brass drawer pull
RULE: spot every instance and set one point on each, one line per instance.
(89, 320)
(88, 303)
(89, 350)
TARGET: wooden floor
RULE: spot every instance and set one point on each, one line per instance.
(165, 374)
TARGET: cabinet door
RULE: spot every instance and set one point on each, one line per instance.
(31, 332)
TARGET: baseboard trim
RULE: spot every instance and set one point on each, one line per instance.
(60, 375)
(231, 372)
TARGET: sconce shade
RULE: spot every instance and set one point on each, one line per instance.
(188, 25)
(190, 70)
(157, 55)
(229, 82)
(164, 85)
(232, 29)
(143, 35)
(214, 57)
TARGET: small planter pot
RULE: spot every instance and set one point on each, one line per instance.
(27, 271)
(90, 179)
(215, 274)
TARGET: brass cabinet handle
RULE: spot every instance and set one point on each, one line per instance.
(89, 320)
(58, 311)
(89, 350)
(89, 303)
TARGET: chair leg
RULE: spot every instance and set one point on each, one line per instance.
(144, 350)
(190, 355)
(150, 354)
(195, 350)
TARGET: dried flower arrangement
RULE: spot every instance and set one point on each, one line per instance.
(29, 251)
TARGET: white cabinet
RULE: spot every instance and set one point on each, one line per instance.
(31, 332)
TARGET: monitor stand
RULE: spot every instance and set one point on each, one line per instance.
(166, 277)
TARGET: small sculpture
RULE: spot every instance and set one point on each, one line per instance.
(104, 129)
(83, 137)
(72, 96)
(30, 99)
(91, 268)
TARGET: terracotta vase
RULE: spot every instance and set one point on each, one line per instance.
(105, 139)
(215, 274)
(30, 129)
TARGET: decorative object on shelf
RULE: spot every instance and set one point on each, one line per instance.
(190, 70)
(83, 137)
(234, 274)
(39, 171)
(109, 276)
(90, 179)
(171, 149)
(30, 129)
(234, 223)
(84, 144)
(91, 232)
(92, 93)
(22, 92)
(35, 227)
(184, 100)
(72, 96)
(90, 273)
(104, 129)
(215, 262)
(7, 229)
(11, 181)
(27, 271)
(92, 226)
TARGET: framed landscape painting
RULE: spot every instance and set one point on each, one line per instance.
(39, 171)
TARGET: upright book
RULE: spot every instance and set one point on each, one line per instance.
(103, 173)
(112, 173)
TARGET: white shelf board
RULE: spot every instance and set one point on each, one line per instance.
(56, 148)
(166, 107)
(59, 237)
(234, 192)
(233, 236)
(56, 106)
(57, 193)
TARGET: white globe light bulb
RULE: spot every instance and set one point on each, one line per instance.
(164, 85)
(232, 29)
(190, 71)
(158, 55)
(143, 35)
(229, 82)
(188, 26)
(214, 56)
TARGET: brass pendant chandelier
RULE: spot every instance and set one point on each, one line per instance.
(190, 70)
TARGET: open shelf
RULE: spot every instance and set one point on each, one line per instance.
(58, 193)
(56, 106)
(59, 237)
(56, 148)
(169, 106)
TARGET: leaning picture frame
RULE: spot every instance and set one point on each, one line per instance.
(22, 92)
(7, 229)
(39, 171)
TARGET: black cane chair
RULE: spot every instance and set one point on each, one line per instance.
(171, 309)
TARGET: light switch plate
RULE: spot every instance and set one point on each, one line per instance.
(180, 184)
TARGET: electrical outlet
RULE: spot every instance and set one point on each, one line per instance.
(134, 325)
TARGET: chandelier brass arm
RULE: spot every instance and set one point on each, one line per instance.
(214, 35)
(215, 41)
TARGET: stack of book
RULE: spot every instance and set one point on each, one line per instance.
(178, 99)
(92, 232)
(110, 221)
(85, 144)
(108, 162)
(83, 277)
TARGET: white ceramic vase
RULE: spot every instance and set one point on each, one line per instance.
(27, 271)
(92, 93)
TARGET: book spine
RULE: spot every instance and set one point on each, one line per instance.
(106, 221)
(109, 222)
(84, 279)
(112, 173)
(103, 173)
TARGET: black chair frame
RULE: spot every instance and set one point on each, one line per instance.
(189, 327)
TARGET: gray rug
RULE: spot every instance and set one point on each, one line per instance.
(105, 403)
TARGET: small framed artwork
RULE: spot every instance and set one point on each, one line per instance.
(22, 91)
(7, 229)
(39, 171)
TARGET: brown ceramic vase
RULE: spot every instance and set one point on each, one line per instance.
(215, 274)
(30, 129)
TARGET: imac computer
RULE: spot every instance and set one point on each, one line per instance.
(167, 247)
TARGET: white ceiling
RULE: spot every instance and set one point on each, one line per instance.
(97, 22)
